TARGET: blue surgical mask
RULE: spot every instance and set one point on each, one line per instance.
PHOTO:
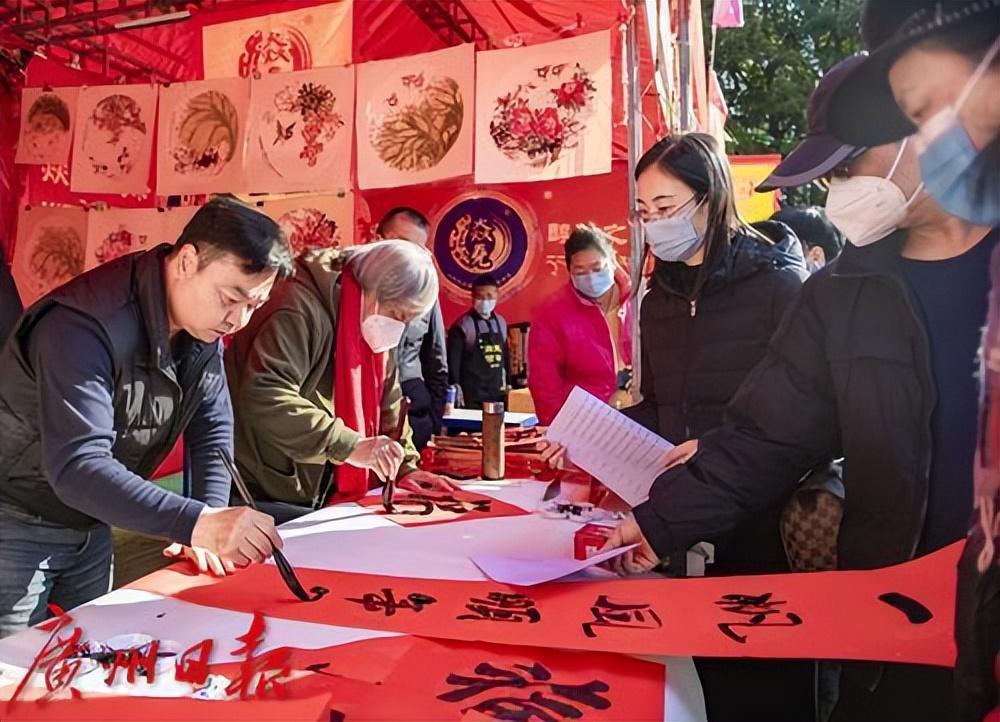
(596, 283)
(674, 238)
(484, 306)
(961, 179)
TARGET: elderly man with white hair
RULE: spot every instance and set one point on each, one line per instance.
(315, 391)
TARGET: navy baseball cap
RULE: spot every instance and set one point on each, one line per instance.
(819, 152)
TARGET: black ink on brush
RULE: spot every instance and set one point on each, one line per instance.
(915, 612)
(285, 569)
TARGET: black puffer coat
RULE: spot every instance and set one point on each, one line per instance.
(697, 348)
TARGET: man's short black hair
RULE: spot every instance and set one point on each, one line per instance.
(411, 214)
(484, 280)
(813, 229)
(227, 225)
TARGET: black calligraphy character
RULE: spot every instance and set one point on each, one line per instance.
(255, 667)
(457, 506)
(618, 614)
(915, 612)
(374, 602)
(758, 609)
(542, 703)
(503, 607)
(417, 504)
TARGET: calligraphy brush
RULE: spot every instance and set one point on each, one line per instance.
(284, 567)
(389, 488)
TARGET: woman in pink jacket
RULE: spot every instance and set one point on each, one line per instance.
(580, 334)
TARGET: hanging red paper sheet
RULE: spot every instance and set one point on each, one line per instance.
(421, 508)
(201, 136)
(313, 37)
(47, 119)
(113, 142)
(50, 248)
(544, 111)
(903, 613)
(300, 130)
(414, 118)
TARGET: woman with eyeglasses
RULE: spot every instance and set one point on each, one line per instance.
(717, 292)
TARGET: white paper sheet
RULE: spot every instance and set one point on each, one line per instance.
(625, 456)
(528, 572)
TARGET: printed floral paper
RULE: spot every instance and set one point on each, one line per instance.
(51, 242)
(544, 111)
(117, 231)
(47, 118)
(280, 42)
(201, 136)
(414, 118)
(313, 222)
(113, 143)
(301, 126)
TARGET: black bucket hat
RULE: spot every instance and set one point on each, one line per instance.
(862, 110)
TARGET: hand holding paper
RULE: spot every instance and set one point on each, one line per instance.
(621, 454)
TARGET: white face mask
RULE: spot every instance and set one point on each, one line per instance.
(868, 208)
(484, 306)
(382, 333)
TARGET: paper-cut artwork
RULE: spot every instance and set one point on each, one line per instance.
(414, 118)
(313, 37)
(118, 231)
(47, 118)
(547, 114)
(313, 222)
(51, 243)
(201, 136)
(301, 127)
(113, 143)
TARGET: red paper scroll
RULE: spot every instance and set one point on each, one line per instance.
(433, 680)
(897, 614)
(421, 508)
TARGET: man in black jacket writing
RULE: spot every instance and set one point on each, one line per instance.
(97, 381)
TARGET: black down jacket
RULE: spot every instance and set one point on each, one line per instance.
(698, 347)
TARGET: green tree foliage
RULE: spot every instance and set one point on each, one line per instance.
(769, 67)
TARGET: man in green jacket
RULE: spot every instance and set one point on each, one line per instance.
(282, 374)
